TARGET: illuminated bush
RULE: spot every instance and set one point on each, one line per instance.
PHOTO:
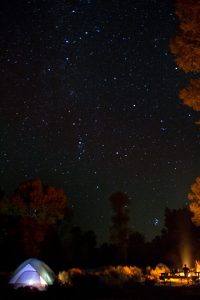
(110, 276)
(67, 277)
(154, 274)
(120, 275)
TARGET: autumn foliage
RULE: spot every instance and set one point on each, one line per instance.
(37, 207)
(190, 95)
(37, 201)
(185, 46)
(194, 197)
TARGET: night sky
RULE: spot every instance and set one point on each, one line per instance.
(89, 103)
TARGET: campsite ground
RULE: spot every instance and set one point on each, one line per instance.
(92, 290)
(126, 293)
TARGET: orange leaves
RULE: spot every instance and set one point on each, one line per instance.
(32, 234)
(187, 52)
(37, 207)
(185, 46)
(194, 197)
(191, 94)
(35, 200)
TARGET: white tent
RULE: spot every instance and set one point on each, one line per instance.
(32, 273)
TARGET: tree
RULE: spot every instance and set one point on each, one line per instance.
(81, 248)
(186, 44)
(119, 229)
(136, 249)
(9, 238)
(178, 242)
(186, 48)
(107, 254)
(179, 236)
(37, 206)
(190, 95)
(194, 197)
(2, 193)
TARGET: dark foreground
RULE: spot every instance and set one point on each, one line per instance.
(140, 292)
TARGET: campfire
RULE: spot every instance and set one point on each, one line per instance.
(185, 276)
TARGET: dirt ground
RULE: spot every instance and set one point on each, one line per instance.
(134, 293)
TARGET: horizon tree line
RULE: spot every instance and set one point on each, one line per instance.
(35, 221)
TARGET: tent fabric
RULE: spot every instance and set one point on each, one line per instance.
(32, 273)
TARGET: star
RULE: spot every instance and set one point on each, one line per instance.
(90, 103)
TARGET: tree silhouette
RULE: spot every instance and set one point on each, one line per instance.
(2, 193)
(194, 205)
(136, 249)
(81, 248)
(9, 238)
(186, 48)
(178, 237)
(179, 240)
(37, 206)
(119, 229)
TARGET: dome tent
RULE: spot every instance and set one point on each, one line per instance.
(32, 273)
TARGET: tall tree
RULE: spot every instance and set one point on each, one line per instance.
(179, 236)
(194, 205)
(186, 44)
(2, 193)
(119, 229)
(190, 95)
(186, 48)
(179, 241)
(136, 249)
(9, 238)
(81, 248)
(37, 206)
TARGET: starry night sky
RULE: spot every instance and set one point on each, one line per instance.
(89, 103)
